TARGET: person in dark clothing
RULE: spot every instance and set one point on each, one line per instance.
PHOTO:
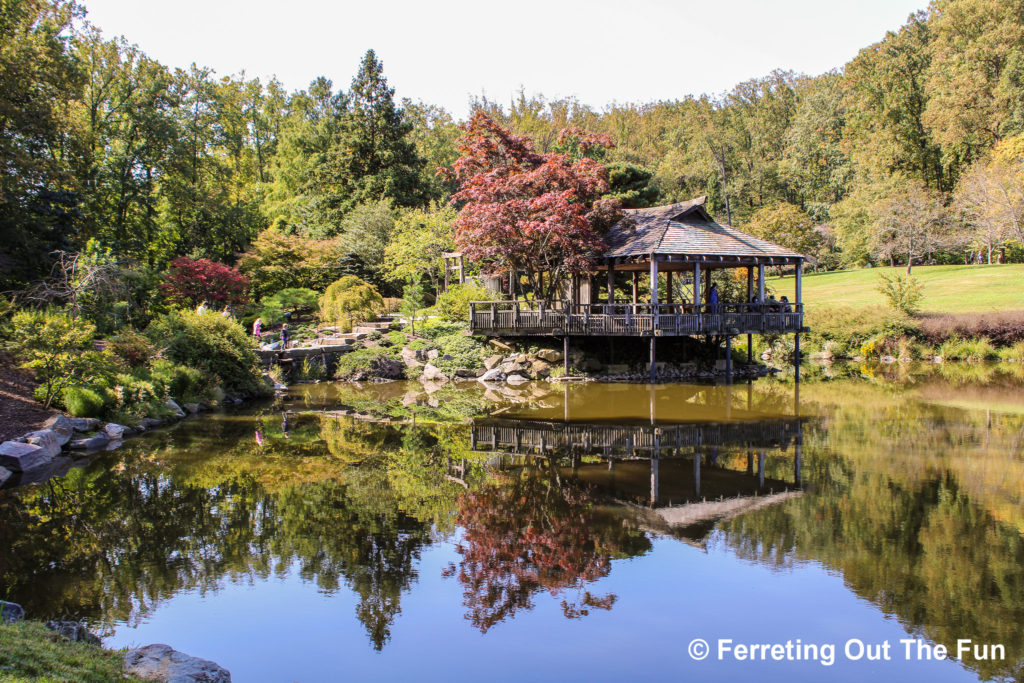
(713, 298)
(284, 336)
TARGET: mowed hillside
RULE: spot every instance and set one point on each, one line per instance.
(947, 289)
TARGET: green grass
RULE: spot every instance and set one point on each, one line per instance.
(947, 289)
(31, 652)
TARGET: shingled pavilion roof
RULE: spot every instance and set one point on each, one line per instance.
(687, 230)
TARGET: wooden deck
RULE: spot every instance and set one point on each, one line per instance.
(512, 318)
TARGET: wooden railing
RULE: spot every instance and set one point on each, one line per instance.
(511, 318)
(628, 440)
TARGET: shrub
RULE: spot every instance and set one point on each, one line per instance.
(312, 368)
(453, 305)
(1013, 353)
(904, 293)
(190, 283)
(59, 350)
(209, 342)
(369, 362)
(184, 384)
(465, 352)
(287, 302)
(968, 349)
(135, 396)
(434, 328)
(348, 300)
(1002, 329)
(419, 344)
(132, 348)
(82, 402)
(397, 338)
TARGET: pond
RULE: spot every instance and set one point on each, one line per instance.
(583, 531)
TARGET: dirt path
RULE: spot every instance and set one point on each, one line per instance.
(19, 411)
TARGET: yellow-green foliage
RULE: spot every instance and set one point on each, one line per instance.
(453, 305)
(31, 652)
(350, 300)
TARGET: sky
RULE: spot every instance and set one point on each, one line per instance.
(446, 51)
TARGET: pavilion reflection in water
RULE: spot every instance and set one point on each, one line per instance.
(678, 477)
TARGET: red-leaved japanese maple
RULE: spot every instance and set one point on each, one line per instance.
(538, 215)
(190, 282)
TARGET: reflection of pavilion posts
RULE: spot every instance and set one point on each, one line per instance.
(799, 307)
(797, 458)
(750, 297)
(696, 472)
(654, 312)
(728, 358)
(654, 480)
(565, 354)
(760, 469)
(750, 462)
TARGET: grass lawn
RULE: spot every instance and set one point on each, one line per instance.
(947, 289)
(31, 652)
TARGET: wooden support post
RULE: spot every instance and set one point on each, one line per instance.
(728, 359)
(611, 281)
(760, 291)
(565, 355)
(696, 285)
(668, 286)
(750, 349)
(653, 361)
(654, 280)
(636, 289)
(462, 269)
(446, 271)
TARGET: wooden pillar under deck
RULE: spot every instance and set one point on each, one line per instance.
(611, 281)
(565, 354)
(750, 297)
(636, 288)
(668, 287)
(728, 359)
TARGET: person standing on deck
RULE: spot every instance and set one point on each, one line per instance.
(713, 298)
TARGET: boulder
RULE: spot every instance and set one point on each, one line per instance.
(92, 443)
(510, 367)
(192, 408)
(466, 372)
(433, 374)
(540, 368)
(492, 361)
(432, 354)
(84, 424)
(11, 612)
(5, 474)
(148, 423)
(19, 457)
(550, 355)
(499, 345)
(62, 426)
(160, 662)
(492, 375)
(47, 439)
(522, 359)
(175, 409)
(517, 379)
(410, 358)
(74, 631)
(114, 430)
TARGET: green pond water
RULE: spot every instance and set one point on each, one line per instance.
(856, 520)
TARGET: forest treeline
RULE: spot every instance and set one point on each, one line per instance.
(911, 151)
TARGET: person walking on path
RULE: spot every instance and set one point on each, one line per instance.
(284, 336)
(257, 329)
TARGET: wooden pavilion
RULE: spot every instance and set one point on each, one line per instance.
(676, 248)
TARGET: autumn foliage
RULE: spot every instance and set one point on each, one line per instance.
(189, 283)
(528, 212)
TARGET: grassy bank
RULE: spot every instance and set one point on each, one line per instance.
(947, 289)
(31, 652)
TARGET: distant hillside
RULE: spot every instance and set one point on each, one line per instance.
(947, 289)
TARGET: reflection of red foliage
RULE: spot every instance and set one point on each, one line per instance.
(526, 211)
(527, 537)
(190, 283)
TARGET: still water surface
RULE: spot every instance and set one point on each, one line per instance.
(582, 532)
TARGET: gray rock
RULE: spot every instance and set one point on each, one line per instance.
(62, 426)
(73, 631)
(84, 424)
(466, 372)
(148, 423)
(5, 474)
(11, 612)
(192, 408)
(47, 439)
(433, 374)
(550, 355)
(516, 379)
(19, 457)
(160, 662)
(92, 443)
(492, 361)
(410, 358)
(432, 354)
(114, 430)
(492, 375)
(511, 367)
(175, 409)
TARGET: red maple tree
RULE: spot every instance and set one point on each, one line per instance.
(527, 212)
(191, 282)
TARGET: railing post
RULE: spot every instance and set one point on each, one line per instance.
(493, 311)
(472, 315)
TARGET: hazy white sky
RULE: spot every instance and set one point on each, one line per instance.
(444, 51)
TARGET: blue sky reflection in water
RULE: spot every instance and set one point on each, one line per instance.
(292, 561)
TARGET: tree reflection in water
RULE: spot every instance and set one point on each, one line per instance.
(532, 532)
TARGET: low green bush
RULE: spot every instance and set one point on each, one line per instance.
(213, 344)
(397, 338)
(369, 361)
(1013, 353)
(182, 383)
(350, 300)
(434, 328)
(131, 347)
(82, 402)
(974, 350)
(465, 352)
(453, 305)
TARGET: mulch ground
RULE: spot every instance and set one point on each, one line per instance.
(19, 411)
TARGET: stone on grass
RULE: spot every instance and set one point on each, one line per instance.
(47, 439)
(175, 409)
(11, 612)
(74, 631)
(432, 373)
(62, 426)
(492, 375)
(20, 457)
(93, 443)
(84, 424)
(160, 662)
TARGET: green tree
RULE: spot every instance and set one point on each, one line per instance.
(631, 185)
(413, 301)
(420, 238)
(787, 225)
